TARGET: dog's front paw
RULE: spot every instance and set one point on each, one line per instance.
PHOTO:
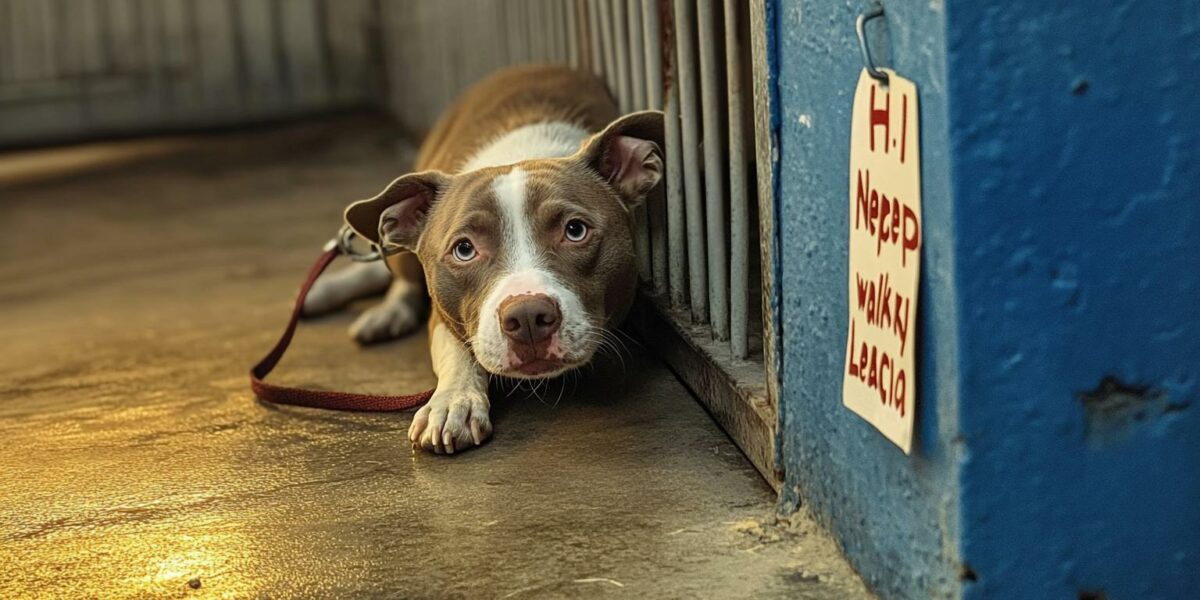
(452, 420)
(387, 320)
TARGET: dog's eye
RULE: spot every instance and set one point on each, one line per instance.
(464, 250)
(575, 230)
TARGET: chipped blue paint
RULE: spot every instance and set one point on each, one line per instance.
(1058, 441)
(770, 9)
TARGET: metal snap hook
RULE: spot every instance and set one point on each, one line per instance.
(344, 243)
(860, 25)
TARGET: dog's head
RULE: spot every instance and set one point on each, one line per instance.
(529, 263)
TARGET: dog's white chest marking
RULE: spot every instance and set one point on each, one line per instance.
(554, 139)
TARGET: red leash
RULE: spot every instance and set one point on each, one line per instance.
(320, 398)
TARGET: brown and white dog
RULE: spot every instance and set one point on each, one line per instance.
(518, 225)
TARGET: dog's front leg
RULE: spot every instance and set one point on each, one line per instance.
(456, 417)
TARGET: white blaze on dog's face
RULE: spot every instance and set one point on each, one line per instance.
(528, 262)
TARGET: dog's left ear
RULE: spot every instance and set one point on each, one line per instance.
(397, 215)
(628, 154)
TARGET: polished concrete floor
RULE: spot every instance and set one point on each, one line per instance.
(135, 463)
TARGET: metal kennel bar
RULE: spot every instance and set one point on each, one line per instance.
(624, 56)
(620, 45)
(637, 52)
(608, 43)
(595, 37)
(676, 220)
(653, 71)
(689, 114)
(571, 28)
(739, 220)
(714, 172)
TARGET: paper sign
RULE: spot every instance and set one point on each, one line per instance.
(879, 382)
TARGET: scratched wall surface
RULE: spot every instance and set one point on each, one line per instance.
(1057, 437)
(1076, 144)
(896, 516)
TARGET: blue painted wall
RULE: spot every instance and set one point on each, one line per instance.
(1075, 133)
(1058, 441)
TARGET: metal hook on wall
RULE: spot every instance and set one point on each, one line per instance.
(860, 25)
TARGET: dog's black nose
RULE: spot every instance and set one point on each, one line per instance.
(529, 318)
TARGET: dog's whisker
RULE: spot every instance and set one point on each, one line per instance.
(514, 385)
(538, 387)
(610, 343)
(561, 387)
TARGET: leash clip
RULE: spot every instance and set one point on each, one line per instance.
(344, 242)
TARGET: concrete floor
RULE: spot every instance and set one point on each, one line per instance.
(135, 463)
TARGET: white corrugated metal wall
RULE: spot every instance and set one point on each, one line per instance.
(72, 69)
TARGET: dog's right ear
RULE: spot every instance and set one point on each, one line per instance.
(628, 154)
(396, 216)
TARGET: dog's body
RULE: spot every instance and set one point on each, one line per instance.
(518, 223)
